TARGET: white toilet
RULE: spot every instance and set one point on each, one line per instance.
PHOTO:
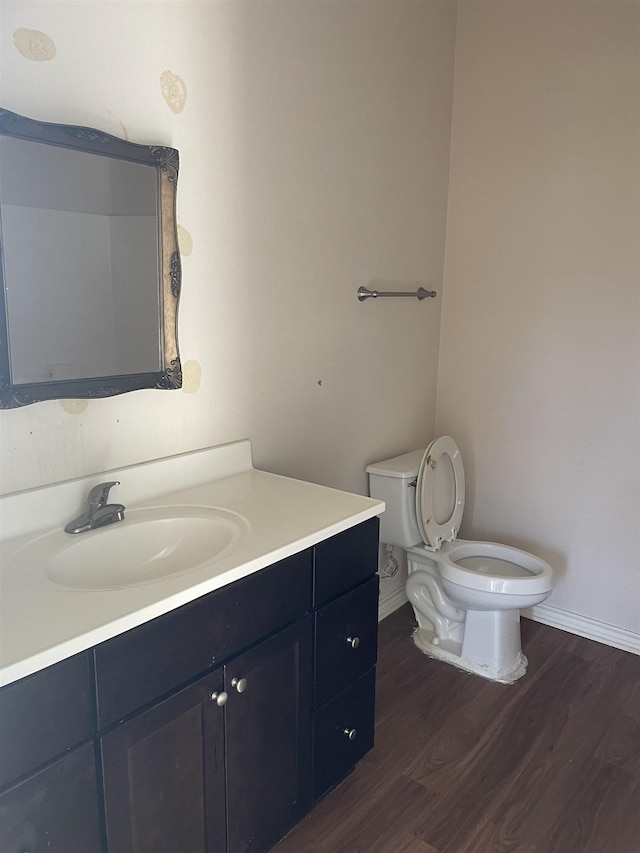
(467, 596)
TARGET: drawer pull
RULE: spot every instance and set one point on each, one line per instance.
(354, 642)
(240, 684)
(350, 733)
(220, 698)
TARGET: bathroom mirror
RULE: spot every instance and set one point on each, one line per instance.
(89, 263)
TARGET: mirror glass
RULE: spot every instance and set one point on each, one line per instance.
(90, 264)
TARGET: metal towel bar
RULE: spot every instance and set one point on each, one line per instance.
(420, 293)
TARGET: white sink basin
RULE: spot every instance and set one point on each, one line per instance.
(149, 545)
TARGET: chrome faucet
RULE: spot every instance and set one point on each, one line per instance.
(97, 511)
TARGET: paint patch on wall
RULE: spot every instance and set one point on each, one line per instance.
(191, 376)
(34, 45)
(174, 90)
(184, 241)
(74, 407)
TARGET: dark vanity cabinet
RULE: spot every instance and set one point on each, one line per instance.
(211, 729)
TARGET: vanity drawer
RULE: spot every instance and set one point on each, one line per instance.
(343, 732)
(346, 635)
(44, 715)
(174, 648)
(345, 560)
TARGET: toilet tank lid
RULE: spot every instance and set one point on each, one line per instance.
(404, 467)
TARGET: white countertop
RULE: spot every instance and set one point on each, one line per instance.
(42, 623)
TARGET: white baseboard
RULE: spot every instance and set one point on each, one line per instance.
(565, 620)
(391, 601)
(585, 626)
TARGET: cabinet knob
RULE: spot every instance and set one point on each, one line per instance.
(350, 733)
(219, 698)
(240, 684)
(354, 642)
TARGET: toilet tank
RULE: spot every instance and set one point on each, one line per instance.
(394, 482)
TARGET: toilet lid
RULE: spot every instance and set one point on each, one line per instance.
(440, 492)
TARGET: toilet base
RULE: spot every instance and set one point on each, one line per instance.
(503, 671)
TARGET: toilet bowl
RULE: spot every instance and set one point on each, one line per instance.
(466, 595)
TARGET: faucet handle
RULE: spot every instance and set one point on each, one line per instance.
(99, 495)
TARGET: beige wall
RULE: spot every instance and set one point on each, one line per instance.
(315, 158)
(314, 148)
(539, 375)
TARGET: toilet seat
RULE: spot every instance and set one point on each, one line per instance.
(440, 492)
(471, 565)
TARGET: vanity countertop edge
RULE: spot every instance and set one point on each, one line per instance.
(42, 624)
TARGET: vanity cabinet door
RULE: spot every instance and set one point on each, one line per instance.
(164, 775)
(268, 727)
(55, 810)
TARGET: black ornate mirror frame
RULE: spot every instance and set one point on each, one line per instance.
(166, 161)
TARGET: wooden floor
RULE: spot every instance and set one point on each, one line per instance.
(463, 765)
